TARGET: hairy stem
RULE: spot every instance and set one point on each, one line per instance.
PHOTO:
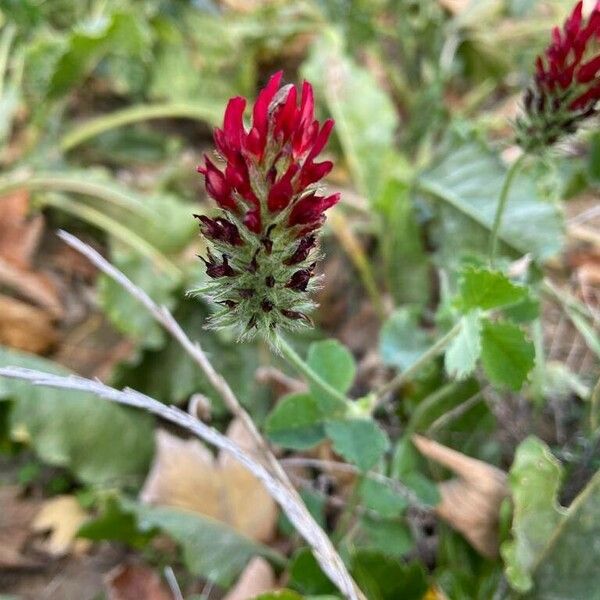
(135, 114)
(429, 355)
(301, 366)
(501, 206)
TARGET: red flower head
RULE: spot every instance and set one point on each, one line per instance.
(566, 85)
(271, 208)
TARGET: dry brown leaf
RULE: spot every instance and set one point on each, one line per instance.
(36, 287)
(257, 578)
(19, 233)
(25, 327)
(16, 515)
(185, 474)
(454, 6)
(61, 517)
(470, 503)
(135, 582)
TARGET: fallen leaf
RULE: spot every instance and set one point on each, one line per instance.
(135, 582)
(185, 474)
(454, 6)
(257, 578)
(36, 287)
(15, 518)
(470, 503)
(25, 327)
(61, 517)
(19, 233)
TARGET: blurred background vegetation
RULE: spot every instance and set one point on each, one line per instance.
(106, 107)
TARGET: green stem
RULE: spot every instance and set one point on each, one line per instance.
(114, 228)
(135, 114)
(300, 365)
(74, 183)
(508, 180)
(429, 355)
(6, 41)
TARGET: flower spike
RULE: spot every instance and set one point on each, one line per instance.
(566, 86)
(263, 247)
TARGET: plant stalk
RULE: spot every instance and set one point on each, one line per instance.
(428, 356)
(501, 206)
(300, 365)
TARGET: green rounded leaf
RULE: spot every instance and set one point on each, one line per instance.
(507, 355)
(360, 441)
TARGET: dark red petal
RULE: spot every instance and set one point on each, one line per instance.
(281, 192)
(286, 116)
(321, 139)
(307, 105)
(586, 99)
(310, 209)
(216, 185)
(589, 70)
(260, 113)
(312, 172)
(233, 122)
(302, 250)
(252, 220)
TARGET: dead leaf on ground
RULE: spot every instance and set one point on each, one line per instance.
(471, 502)
(33, 286)
(135, 582)
(257, 578)
(25, 327)
(15, 517)
(19, 233)
(61, 517)
(454, 6)
(185, 474)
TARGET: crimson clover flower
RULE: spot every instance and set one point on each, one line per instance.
(566, 85)
(262, 247)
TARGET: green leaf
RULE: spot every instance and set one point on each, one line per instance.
(306, 575)
(280, 595)
(124, 311)
(466, 183)
(360, 441)
(507, 355)
(534, 480)
(487, 289)
(384, 578)
(390, 536)
(405, 261)
(407, 467)
(100, 442)
(402, 341)
(464, 350)
(568, 567)
(381, 498)
(296, 422)
(89, 41)
(114, 524)
(211, 549)
(334, 363)
(366, 119)
(170, 375)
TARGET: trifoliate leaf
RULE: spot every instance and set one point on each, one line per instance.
(464, 350)
(335, 364)
(360, 441)
(296, 422)
(507, 355)
(487, 289)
